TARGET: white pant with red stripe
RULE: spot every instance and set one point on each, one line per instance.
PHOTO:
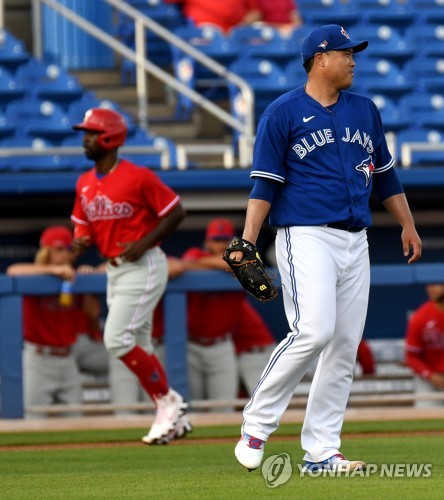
(133, 291)
(325, 277)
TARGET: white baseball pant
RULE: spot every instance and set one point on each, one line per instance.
(325, 277)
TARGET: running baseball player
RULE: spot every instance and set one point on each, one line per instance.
(319, 152)
(126, 211)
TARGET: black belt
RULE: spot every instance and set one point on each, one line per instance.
(344, 227)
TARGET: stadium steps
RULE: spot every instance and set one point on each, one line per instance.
(201, 129)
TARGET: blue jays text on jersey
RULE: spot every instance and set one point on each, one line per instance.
(323, 158)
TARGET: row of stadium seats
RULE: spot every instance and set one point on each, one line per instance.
(401, 13)
(39, 102)
(78, 162)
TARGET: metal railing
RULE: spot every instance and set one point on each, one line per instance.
(407, 148)
(144, 66)
(163, 151)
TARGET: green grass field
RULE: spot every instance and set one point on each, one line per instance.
(196, 469)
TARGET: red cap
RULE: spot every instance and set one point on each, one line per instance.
(56, 236)
(220, 229)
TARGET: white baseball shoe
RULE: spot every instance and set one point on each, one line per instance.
(249, 451)
(336, 463)
(183, 427)
(169, 408)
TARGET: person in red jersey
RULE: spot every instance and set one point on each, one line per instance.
(51, 327)
(281, 14)
(365, 359)
(254, 344)
(219, 324)
(424, 345)
(126, 211)
(225, 15)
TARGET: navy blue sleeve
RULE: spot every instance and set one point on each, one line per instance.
(264, 189)
(387, 184)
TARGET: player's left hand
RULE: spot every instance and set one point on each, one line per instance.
(411, 244)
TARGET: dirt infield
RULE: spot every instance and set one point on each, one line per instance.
(207, 419)
(204, 441)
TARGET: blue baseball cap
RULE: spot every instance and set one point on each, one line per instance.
(329, 37)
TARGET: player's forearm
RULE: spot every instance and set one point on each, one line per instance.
(166, 226)
(257, 211)
(24, 269)
(209, 262)
(399, 208)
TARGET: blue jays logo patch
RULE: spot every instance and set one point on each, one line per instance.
(366, 167)
(343, 32)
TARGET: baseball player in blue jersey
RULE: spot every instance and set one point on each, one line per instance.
(319, 152)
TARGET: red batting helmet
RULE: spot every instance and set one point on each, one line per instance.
(109, 124)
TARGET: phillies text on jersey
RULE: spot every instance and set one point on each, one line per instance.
(121, 206)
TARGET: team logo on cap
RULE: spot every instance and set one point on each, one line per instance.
(323, 45)
(343, 32)
(367, 168)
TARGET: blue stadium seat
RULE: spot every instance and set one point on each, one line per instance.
(31, 163)
(295, 73)
(10, 89)
(426, 72)
(427, 38)
(393, 119)
(168, 15)
(267, 80)
(12, 51)
(76, 161)
(425, 109)
(262, 40)
(320, 12)
(296, 38)
(7, 129)
(421, 158)
(212, 42)
(383, 41)
(429, 10)
(48, 82)
(381, 76)
(399, 13)
(151, 160)
(42, 119)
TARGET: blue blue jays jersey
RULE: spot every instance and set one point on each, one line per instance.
(323, 158)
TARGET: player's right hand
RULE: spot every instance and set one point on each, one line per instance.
(79, 245)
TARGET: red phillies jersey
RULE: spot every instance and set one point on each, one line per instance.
(425, 340)
(45, 322)
(365, 358)
(223, 13)
(212, 314)
(252, 331)
(276, 11)
(120, 207)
